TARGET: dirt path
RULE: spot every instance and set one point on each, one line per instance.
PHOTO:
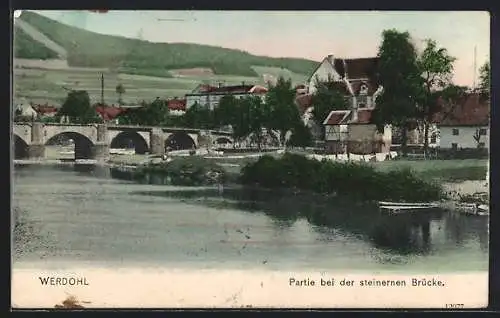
(40, 37)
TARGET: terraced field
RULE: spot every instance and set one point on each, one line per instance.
(40, 86)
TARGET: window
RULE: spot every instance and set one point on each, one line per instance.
(482, 132)
(433, 138)
(455, 132)
(481, 145)
(454, 146)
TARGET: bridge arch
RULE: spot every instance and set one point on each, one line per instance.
(130, 139)
(81, 144)
(20, 148)
(179, 141)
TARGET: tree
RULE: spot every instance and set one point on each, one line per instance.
(197, 116)
(328, 97)
(77, 108)
(226, 112)
(120, 90)
(259, 118)
(301, 136)
(485, 80)
(399, 74)
(436, 67)
(284, 112)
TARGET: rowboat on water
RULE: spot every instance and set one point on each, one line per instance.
(396, 207)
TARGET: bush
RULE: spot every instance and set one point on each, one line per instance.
(359, 181)
(187, 171)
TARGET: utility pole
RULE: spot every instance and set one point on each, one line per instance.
(474, 80)
(102, 88)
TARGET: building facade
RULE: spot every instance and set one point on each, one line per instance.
(352, 131)
(464, 124)
(210, 96)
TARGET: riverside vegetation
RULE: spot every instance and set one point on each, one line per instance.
(300, 174)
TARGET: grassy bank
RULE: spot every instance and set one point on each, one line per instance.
(359, 181)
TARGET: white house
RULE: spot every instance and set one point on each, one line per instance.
(465, 125)
(210, 96)
(352, 131)
(356, 75)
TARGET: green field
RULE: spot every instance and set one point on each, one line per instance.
(42, 86)
(444, 170)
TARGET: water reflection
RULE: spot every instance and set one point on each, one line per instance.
(193, 224)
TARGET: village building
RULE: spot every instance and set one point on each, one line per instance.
(25, 110)
(357, 75)
(176, 106)
(109, 113)
(45, 110)
(210, 96)
(353, 131)
(464, 124)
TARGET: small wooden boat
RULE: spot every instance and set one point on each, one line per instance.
(396, 207)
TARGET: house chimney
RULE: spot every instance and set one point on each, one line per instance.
(330, 58)
(345, 68)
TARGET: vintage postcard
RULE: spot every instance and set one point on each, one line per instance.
(250, 159)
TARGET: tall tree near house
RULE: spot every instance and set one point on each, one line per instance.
(77, 108)
(226, 112)
(436, 67)
(477, 137)
(120, 90)
(284, 112)
(259, 118)
(485, 80)
(399, 74)
(328, 97)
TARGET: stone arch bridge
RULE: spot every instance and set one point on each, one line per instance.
(93, 141)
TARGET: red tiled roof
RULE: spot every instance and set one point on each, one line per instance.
(303, 102)
(364, 116)
(335, 117)
(468, 111)
(176, 104)
(338, 117)
(108, 113)
(45, 109)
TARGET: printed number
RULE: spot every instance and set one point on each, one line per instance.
(454, 306)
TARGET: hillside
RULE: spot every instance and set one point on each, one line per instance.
(89, 49)
(27, 48)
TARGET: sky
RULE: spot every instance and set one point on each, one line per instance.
(303, 34)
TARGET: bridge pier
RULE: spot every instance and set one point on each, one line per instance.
(100, 151)
(157, 140)
(36, 150)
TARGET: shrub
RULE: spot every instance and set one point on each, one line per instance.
(359, 181)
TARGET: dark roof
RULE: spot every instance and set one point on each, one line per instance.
(469, 110)
(362, 67)
(234, 89)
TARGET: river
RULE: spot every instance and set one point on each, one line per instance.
(88, 215)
